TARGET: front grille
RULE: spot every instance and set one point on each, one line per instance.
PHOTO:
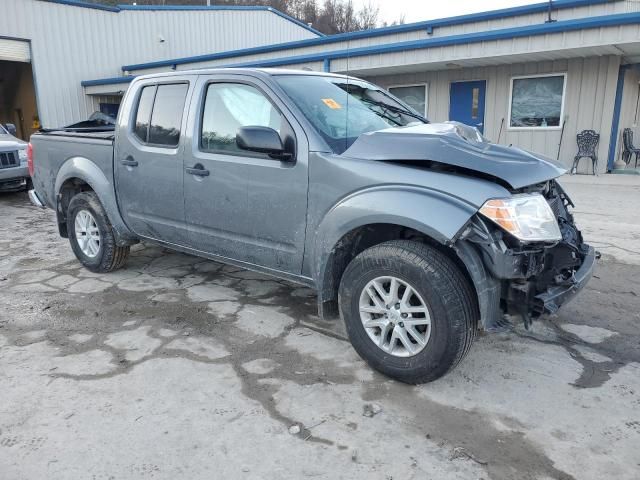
(9, 159)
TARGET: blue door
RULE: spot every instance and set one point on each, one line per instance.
(466, 103)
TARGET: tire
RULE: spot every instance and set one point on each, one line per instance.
(107, 256)
(449, 305)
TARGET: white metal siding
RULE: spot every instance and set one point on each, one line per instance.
(70, 44)
(589, 98)
(541, 43)
(484, 49)
(580, 43)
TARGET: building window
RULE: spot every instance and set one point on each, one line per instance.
(413, 95)
(537, 101)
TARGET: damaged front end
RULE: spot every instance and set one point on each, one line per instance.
(516, 277)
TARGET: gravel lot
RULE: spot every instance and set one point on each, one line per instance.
(179, 367)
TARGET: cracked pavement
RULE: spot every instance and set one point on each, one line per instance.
(179, 367)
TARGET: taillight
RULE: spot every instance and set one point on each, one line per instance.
(30, 159)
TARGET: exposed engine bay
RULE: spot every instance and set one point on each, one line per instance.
(533, 278)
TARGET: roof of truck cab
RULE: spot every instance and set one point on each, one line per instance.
(242, 71)
(264, 72)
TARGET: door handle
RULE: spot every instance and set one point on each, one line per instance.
(198, 170)
(129, 162)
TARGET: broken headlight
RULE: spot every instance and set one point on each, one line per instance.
(528, 217)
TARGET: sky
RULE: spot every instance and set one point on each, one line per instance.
(416, 10)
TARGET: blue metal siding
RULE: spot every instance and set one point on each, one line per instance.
(616, 117)
(119, 8)
(95, 6)
(503, 34)
(615, 125)
(462, 39)
(108, 81)
(376, 32)
(71, 26)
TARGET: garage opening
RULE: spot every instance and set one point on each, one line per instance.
(17, 92)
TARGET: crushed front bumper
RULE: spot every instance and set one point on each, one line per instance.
(558, 295)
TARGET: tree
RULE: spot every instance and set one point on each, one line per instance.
(330, 17)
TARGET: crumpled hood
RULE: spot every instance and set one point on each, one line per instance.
(455, 144)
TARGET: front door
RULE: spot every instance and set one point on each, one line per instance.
(466, 103)
(243, 205)
(148, 162)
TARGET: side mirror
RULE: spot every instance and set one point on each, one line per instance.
(262, 140)
(11, 128)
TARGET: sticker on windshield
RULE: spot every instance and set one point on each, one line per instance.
(331, 103)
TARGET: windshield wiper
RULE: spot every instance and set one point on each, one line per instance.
(391, 108)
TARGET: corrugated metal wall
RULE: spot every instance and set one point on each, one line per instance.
(594, 41)
(589, 99)
(70, 44)
(448, 53)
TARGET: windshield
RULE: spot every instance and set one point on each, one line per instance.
(343, 109)
(3, 131)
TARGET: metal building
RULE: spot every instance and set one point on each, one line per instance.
(533, 76)
(48, 47)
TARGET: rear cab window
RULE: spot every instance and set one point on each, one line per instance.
(159, 114)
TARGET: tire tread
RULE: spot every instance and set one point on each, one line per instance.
(449, 282)
(113, 256)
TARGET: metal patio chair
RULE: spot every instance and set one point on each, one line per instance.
(629, 149)
(587, 144)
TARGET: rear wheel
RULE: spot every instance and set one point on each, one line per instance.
(409, 310)
(91, 235)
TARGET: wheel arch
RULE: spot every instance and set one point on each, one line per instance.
(364, 220)
(79, 174)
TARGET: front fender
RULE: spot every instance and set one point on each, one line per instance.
(84, 169)
(431, 212)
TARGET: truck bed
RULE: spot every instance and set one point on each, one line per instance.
(55, 151)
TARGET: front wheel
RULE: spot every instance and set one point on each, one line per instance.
(409, 311)
(91, 235)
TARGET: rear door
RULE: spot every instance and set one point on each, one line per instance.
(149, 158)
(238, 204)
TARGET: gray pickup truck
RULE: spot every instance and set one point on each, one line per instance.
(14, 174)
(416, 234)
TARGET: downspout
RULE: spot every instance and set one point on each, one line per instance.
(615, 124)
(326, 65)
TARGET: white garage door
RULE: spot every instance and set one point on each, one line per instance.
(14, 50)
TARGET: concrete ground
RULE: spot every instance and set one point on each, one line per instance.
(178, 367)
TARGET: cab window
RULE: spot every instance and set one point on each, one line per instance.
(229, 106)
(159, 114)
